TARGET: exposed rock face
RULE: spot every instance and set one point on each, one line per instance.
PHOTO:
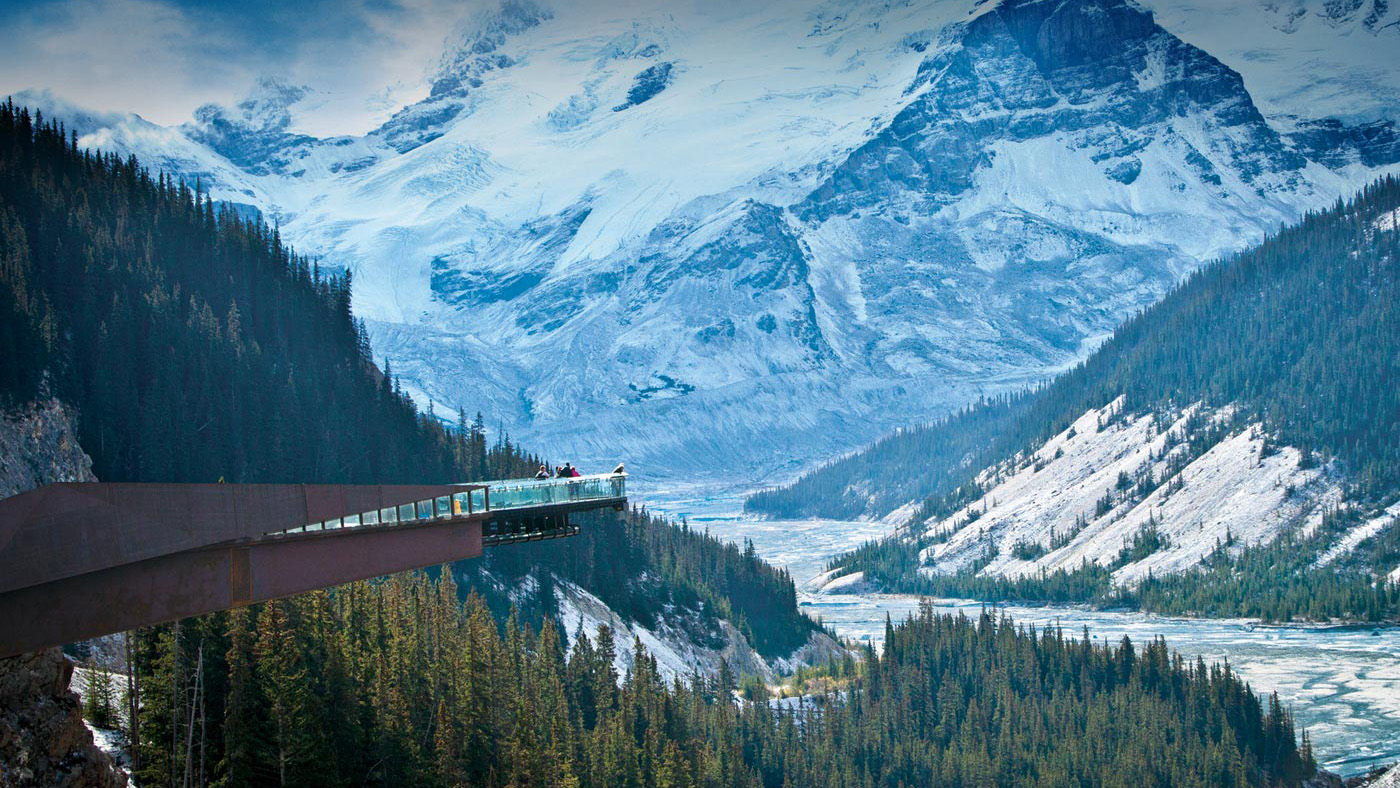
(38, 446)
(43, 742)
(256, 134)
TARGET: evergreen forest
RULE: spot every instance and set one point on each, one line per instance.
(1300, 334)
(195, 345)
(399, 683)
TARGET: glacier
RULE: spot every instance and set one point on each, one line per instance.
(743, 238)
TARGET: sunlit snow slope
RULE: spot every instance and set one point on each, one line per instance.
(1066, 504)
(734, 235)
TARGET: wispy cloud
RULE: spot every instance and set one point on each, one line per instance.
(361, 59)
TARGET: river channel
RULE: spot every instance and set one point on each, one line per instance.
(1343, 683)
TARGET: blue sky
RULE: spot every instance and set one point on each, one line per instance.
(163, 58)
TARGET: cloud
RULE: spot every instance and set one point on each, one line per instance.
(163, 59)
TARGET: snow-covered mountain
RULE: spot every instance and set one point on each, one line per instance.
(738, 235)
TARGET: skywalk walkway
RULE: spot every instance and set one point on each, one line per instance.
(79, 560)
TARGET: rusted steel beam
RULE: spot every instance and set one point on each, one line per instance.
(82, 560)
(204, 580)
(65, 530)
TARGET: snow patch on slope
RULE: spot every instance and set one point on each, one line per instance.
(1311, 58)
(1051, 500)
(112, 741)
(1354, 537)
(677, 656)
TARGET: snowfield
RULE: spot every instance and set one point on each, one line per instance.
(1235, 491)
(677, 656)
(1076, 499)
(752, 236)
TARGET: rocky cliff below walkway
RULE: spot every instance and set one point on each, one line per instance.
(43, 742)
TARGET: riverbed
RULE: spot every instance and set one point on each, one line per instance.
(1343, 683)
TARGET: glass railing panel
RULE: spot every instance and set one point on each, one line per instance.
(542, 492)
(508, 494)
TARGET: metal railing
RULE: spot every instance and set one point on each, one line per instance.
(490, 497)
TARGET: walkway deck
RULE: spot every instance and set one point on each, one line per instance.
(81, 560)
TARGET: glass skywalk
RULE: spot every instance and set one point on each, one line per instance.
(507, 494)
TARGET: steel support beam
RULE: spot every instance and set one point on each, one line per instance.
(194, 582)
(82, 560)
(69, 529)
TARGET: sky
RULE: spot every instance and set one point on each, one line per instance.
(361, 59)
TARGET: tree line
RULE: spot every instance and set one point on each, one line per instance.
(193, 343)
(401, 683)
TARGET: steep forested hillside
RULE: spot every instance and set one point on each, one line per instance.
(196, 346)
(644, 567)
(1294, 345)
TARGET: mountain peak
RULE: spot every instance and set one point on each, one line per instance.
(477, 52)
(1060, 33)
(254, 132)
(478, 47)
(267, 109)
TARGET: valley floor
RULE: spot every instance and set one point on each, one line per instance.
(1343, 683)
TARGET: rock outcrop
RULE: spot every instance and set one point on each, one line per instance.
(38, 446)
(43, 741)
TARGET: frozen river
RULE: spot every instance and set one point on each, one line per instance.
(1342, 683)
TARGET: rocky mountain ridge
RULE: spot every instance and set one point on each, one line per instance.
(593, 228)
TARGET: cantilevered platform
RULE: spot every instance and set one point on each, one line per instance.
(81, 560)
